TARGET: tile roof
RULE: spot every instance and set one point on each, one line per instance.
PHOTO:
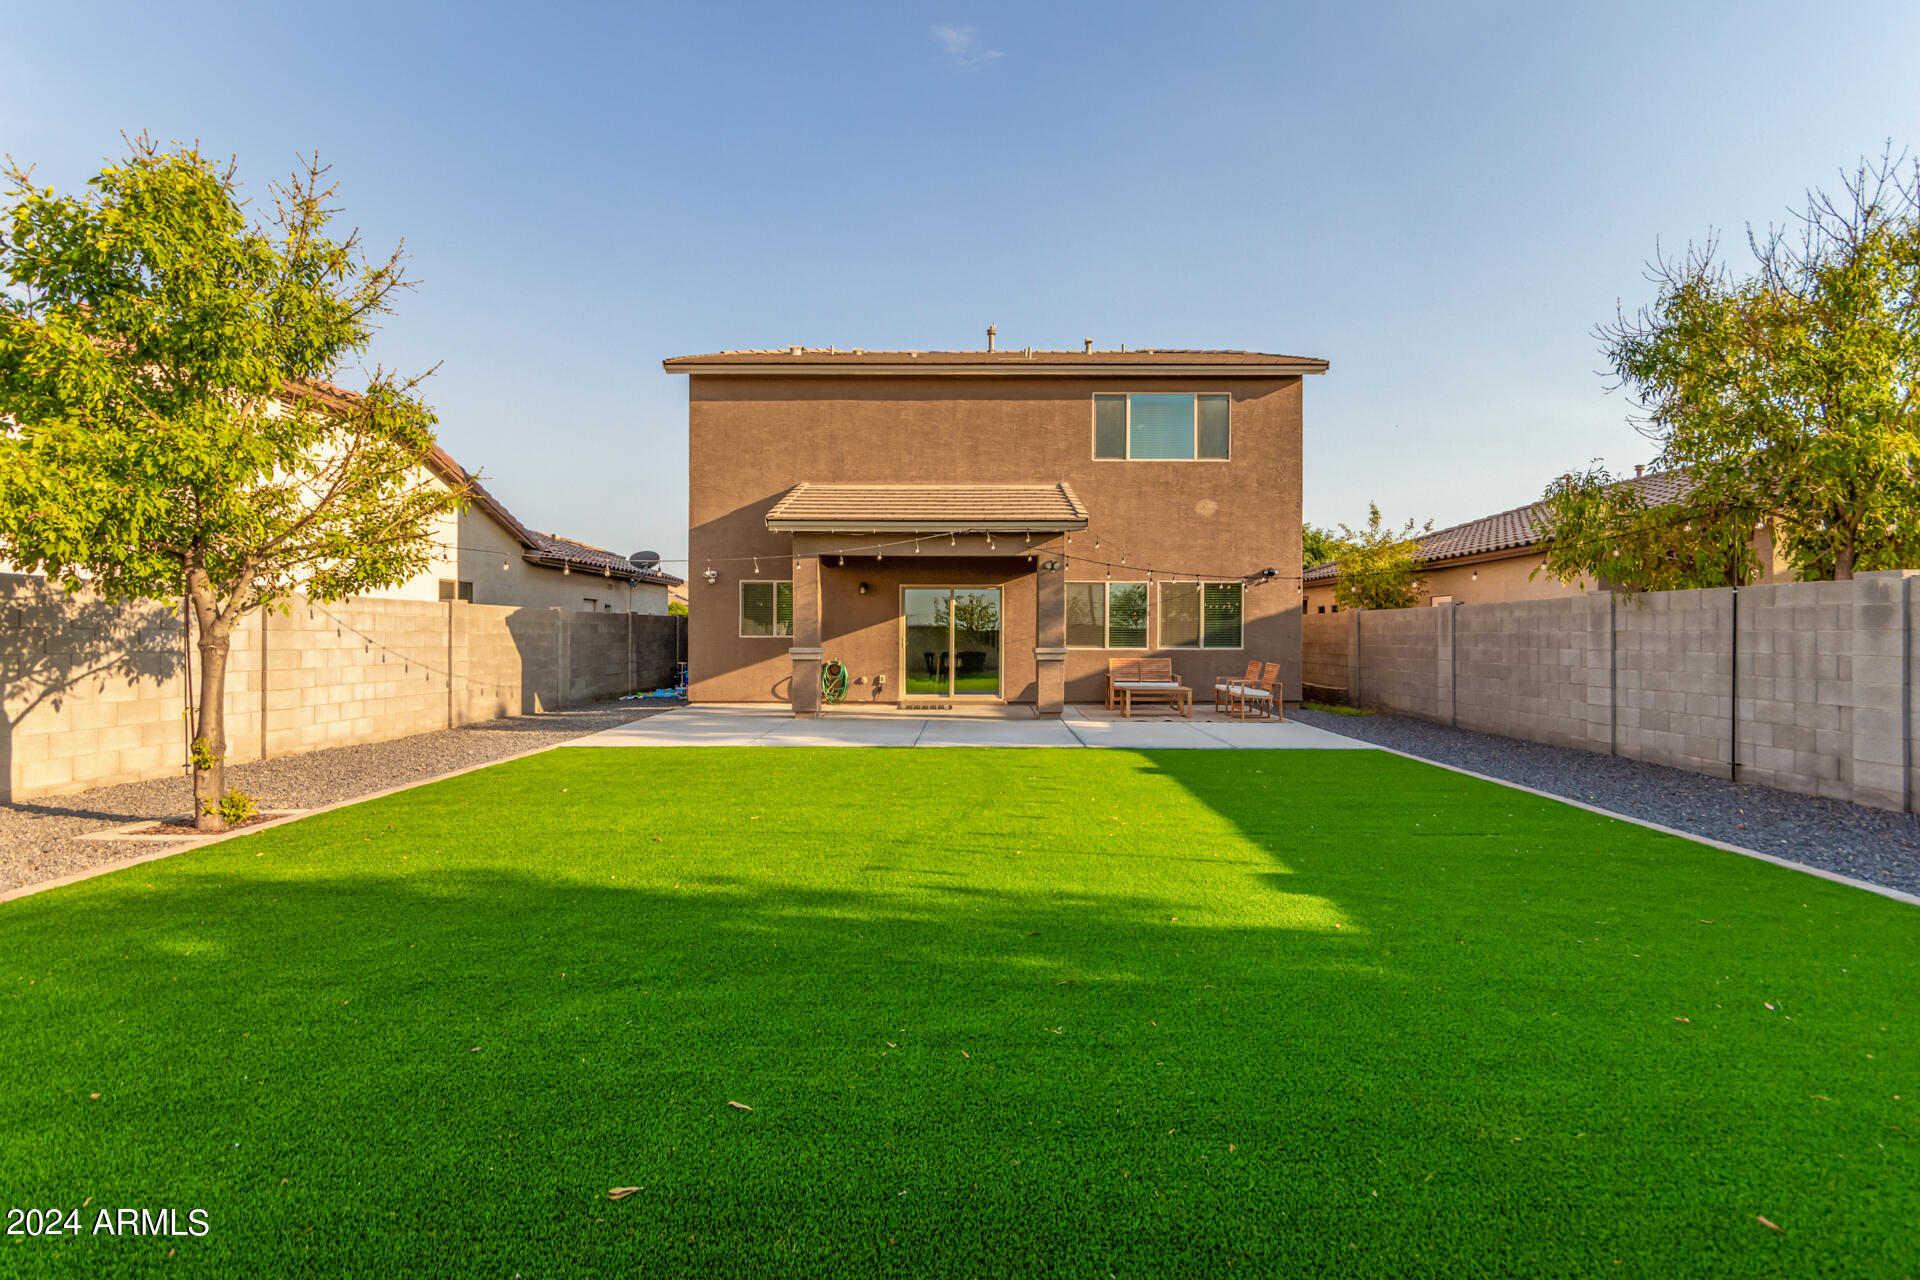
(546, 549)
(552, 549)
(927, 508)
(1515, 529)
(1019, 361)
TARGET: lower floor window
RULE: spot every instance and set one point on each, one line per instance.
(451, 590)
(766, 608)
(1201, 615)
(1107, 615)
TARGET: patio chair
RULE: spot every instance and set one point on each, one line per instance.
(1223, 686)
(1146, 680)
(1258, 698)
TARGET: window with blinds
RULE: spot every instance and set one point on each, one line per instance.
(1201, 615)
(766, 608)
(1107, 615)
(1162, 427)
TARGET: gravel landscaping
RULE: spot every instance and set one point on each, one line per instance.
(1868, 844)
(37, 837)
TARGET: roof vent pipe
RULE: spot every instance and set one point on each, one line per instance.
(1086, 346)
(1639, 469)
(989, 337)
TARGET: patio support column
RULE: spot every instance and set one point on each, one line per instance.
(1050, 639)
(806, 651)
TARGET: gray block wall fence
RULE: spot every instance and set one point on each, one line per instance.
(1805, 686)
(94, 693)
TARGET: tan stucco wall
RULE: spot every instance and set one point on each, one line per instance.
(1511, 576)
(1481, 582)
(754, 438)
(472, 546)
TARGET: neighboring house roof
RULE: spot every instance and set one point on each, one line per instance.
(1517, 529)
(928, 508)
(546, 549)
(1143, 361)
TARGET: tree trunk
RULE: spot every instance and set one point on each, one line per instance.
(1843, 564)
(210, 734)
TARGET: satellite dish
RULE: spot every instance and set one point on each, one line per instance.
(644, 560)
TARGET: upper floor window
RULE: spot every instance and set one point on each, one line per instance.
(1162, 426)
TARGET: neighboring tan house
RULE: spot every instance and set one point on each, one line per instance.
(485, 555)
(1495, 558)
(989, 526)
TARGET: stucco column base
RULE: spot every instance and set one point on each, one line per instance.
(804, 692)
(1050, 680)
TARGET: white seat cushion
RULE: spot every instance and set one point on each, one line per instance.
(1147, 684)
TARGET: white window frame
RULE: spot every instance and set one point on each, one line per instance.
(1106, 615)
(1093, 426)
(1161, 617)
(740, 613)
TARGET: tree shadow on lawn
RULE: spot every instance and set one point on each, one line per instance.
(448, 1066)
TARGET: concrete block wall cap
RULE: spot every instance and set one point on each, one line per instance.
(806, 653)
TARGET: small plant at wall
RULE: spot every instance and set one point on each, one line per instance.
(1380, 567)
(167, 371)
(235, 807)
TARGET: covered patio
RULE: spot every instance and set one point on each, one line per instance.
(930, 595)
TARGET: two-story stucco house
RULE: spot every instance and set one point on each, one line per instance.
(989, 526)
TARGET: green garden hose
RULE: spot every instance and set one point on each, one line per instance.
(833, 682)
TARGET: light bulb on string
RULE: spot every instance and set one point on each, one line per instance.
(756, 564)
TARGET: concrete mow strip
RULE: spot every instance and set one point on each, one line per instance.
(141, 832)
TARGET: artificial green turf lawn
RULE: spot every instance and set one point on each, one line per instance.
(1080, 1013)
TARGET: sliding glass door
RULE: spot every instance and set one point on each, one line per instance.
(950, 641)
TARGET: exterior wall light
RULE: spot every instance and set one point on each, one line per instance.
(1051, 566)
(712, 576)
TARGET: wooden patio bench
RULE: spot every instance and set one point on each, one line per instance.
(1148, 680)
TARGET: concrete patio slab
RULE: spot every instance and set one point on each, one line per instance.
(692, 727)
(764, 726)
(996, 733)
(845, 731)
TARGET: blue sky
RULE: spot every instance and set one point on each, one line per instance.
(1442, 200)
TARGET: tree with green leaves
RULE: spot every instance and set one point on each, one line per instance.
(1317, 545)
(1604, 529)
(172, 431)
(1380, 567)
(1789, 396)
